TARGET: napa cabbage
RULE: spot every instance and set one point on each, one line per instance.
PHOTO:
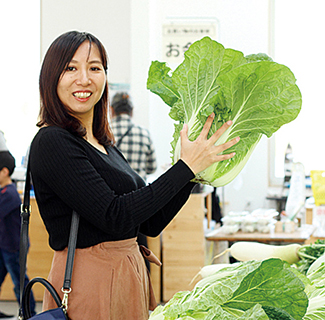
(256, 93)
(258, 290)
(315, 291)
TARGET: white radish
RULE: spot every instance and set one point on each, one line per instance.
(247, 250)
(244, 251)
(213, 268)
(208, 270)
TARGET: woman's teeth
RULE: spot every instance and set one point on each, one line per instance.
(82, 95)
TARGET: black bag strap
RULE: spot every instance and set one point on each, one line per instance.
(71, 250)
(27, 293)
(118, 142)
(25, 215)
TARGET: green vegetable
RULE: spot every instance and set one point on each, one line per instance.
(316, 294)
(257, 94)
(316, 307)
(216, 313)
(277, 314)
(251, 290)
(306, 258)
(309, 254)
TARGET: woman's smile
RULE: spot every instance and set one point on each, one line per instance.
(82, 95)
(82, 83)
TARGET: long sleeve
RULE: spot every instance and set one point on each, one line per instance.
(158, 222)
(68, 173)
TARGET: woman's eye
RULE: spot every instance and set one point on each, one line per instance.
(95, 69)
(71, 68)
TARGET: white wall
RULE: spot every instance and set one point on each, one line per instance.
(107, 20)
(131, 31)
(19, 74)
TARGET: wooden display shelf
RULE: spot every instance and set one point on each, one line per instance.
(154, 244)
(299, 236)
(183, 246)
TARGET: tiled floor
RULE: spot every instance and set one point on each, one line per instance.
(11, 307)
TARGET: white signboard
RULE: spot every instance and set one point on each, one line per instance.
(178, 37)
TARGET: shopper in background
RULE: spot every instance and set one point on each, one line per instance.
(10, 223)
(75, 166)
(134, 141)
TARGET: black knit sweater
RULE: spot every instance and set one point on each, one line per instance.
(113, 201)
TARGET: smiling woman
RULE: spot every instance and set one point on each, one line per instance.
(80, 84)
(76, 166)
(83, 83)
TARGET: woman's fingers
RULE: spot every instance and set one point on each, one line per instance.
(184, 131)
(224, 147)
(203, 152)
(207, 126)
(216, 136)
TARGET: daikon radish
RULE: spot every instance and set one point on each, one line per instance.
(247, 250)
(244, 251)
(209, 269)
(213, 268)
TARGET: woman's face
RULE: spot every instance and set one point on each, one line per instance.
(82, 84)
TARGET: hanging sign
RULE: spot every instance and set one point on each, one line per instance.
(178, 37)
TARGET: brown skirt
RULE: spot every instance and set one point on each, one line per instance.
(109, 282)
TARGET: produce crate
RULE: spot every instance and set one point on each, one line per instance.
(318, 186)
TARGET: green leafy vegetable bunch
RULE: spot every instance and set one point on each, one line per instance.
(309, 253)
(256, 290)
(257, 94)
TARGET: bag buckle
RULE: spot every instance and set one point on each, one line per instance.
(65, 298)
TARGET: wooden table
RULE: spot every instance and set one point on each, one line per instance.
(298, 236)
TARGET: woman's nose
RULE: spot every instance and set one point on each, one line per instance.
(83, 78)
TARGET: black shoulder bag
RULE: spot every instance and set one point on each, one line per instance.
(59, 313)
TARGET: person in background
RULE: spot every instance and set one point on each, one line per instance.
(76, 166)
(133, 141)
(10, 224)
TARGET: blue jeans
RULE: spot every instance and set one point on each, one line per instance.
(9, 262)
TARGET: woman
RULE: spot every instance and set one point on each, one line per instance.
(75, 166)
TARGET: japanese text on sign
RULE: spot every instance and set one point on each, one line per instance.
(178, 37)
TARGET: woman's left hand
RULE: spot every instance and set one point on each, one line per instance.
(202, 152)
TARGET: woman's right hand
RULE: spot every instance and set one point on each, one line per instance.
(202, 153)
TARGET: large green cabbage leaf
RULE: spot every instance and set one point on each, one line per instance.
(253, 290)
(257, 94)
(316, 294)
(216, 313)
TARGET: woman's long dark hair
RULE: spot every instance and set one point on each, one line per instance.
(53, 111)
